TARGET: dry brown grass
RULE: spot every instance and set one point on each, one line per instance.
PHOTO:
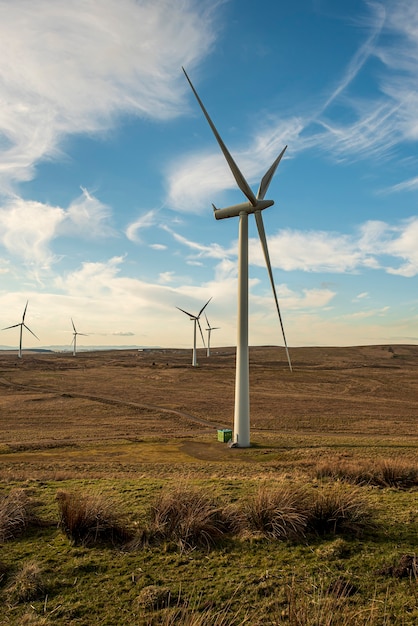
(27, 584)
(276, 512)
(339, 510)
(84, 415)
(398, 473)
(90, 518)
(188, 517)
(16, 514)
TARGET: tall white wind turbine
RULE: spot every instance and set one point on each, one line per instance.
(74, 341)
(21, 325)
(255, 204)
(195, 320)
(209, 330)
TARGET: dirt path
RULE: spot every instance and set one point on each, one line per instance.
(113, 401)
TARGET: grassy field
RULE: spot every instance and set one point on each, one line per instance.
(315, 524)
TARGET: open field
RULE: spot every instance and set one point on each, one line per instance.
(117, 411)
(132, 424)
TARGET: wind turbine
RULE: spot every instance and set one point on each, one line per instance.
(255, 204)
(22, 324)
(195, 319)
(74, 341)
(209, 329)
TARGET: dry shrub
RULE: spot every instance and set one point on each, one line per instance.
(339, 510)
(89, 518)
(153, 597)
(189, 517)
(16, 514)
(27, 584)
(277, 513)
(397, 473)
(381, 473)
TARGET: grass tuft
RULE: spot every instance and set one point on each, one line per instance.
(90, 518)
(277, 513)
(27, 584)
(189, 517)
(16, 514)
(339, 510)
(153, 597)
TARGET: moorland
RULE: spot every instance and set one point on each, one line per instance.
(127, 430)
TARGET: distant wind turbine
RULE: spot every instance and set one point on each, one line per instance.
(195, 319)
(209, 329)
(74, 341)
(255, 204)
(21, 325)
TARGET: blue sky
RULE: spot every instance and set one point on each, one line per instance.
(108, 168)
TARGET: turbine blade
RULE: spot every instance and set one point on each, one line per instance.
(73, 325)
(262, 234)
(267, 178)
(187, 313)
(14, 326)
(240, 180)
(24, 312)
(203, 308)
(27, 328)
(207, 321)
(201, 333)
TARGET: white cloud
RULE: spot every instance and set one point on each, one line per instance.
(27, 228)
(405, 247)
(144, 221)
(371, 313)
(407, 185)
(71, 66)
(166, 277)
(321, 251)
(213, 250)
(88, 217)
(361, 296)
(198, 180)
(376, 124)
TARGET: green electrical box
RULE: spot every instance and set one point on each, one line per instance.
(224, 435)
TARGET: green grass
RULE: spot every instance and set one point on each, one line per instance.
(245, 577)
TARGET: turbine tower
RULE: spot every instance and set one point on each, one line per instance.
(21, 325)
(209, 329)
(255, 204)
(195, 319)
(74, 341)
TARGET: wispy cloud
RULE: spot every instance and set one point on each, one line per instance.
(406, 185)
(374, 123)
(71, 67)
(375, 245)
(148, 219)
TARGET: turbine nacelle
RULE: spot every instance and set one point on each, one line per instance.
(243, 207)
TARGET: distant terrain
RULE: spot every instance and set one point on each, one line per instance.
(123, 399)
